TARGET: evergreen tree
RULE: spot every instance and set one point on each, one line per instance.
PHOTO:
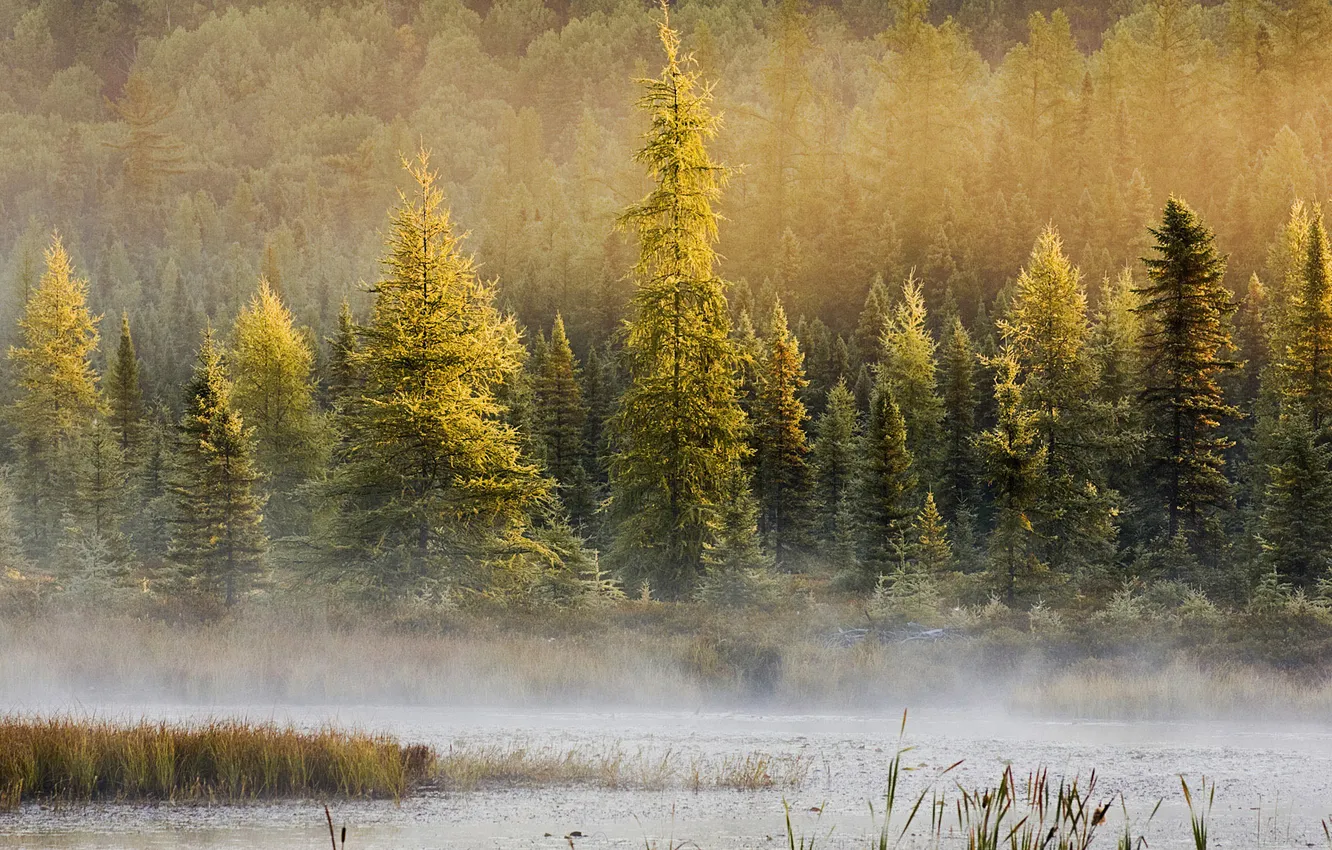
(1185, 308)
(932, 553)
(430, 480)
(679, 429)
(561, 426)
(600, 390)
(1115, 342)
(1013, 458)
(1308, 358)
(835, 464)
(958, 483)
(1296, 526)
(101, 481)
(217, 541)
(149, 524)
(57, 391)
(874, 319)
(1252, 344)
(908, 363)
(93, 557)
(1048, 333)
(124, 395)
(343, 377)
(884, 487)
(274, 394)
(782, 482)
(561, 416)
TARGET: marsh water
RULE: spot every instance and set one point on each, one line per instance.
(1273, 783)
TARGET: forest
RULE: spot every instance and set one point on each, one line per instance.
(540, 302)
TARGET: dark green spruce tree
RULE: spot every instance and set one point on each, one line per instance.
(124, 395)
(560, 419)
(834, 460)
(782, 479)
(1307, 365)
(217, 541)
(343, 376)
(959, 485)
(884, 491)
(1296, 523)
(1185, 310)
(679, 430)
(1295, 531)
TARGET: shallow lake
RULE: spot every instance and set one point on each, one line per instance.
(1273, 784)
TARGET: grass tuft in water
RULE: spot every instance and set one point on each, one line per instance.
(81, 760)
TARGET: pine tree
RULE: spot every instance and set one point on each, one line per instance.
(124, 395)
(217, 541)
(57, 391)
(908, 363)
(561, 426)
(343, 376)
(884, 487)
(834, 461)
(1048, 332)
(561, 416)
(430, 480)
(1307, 364)
(1115, 341)
(600, 390)
(149, 524)
(679, 429)
(1252, 342)
(1013, 458)
(101, 480)
(932, 553)
(1296, 525)
(782, 482)
(1185, 308)
(959, 487)
(874, 319)
(274, 394)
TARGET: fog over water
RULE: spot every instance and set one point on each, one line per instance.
(1274, 782)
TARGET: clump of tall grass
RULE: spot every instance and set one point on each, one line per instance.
(80, 760)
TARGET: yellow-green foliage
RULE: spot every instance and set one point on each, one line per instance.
(73, 759)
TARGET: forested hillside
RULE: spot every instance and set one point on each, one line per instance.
(931, 301)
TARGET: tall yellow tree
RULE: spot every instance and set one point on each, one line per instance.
(274, 393)
(680, 431)
(57, 386)
(431, 485)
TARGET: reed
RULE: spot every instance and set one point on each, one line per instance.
(73, 759)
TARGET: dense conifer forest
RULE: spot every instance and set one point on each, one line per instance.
(537, 301)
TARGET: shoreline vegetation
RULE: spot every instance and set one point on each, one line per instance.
(1152, 665)
(76, 759)
(71, 759)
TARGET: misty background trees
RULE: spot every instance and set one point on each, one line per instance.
(876, 308)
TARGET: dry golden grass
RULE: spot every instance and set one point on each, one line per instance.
(75, 759)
